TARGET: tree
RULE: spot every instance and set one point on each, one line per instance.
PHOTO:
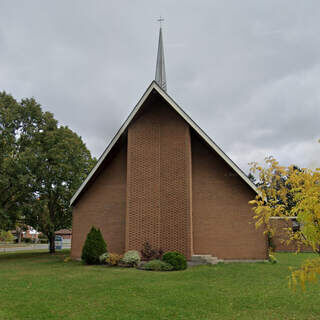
(252, 178)
(43, 165)
(12, 194)
(57, 161)
(290, 192)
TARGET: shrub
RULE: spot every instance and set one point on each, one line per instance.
(27, 240)
(157, 265)
(159, 254)
(131, 258)
(176, 259)
(94, 247)
(103, 257)
(113, 259)
(148, 253)
(6, 236)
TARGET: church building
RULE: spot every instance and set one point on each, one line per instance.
(162, 180)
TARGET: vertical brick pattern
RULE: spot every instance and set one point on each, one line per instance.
(222, 218)
(159, 181)
(143, 208)
(103, 205)
(175, 185)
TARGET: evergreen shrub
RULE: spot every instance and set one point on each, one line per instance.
(94, 247)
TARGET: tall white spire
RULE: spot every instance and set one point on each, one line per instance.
(160, 77)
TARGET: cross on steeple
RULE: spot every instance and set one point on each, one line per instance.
(160, 77)
(160, 20)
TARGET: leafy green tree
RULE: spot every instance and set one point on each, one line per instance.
(57, 162)
(11, 195)
(41, 166)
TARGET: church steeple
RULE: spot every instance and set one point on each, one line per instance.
(160, 77)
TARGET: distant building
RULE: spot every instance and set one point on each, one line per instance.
(30, 233)
(64, 233)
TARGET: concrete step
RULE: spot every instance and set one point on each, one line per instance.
(199, 257)
(204, 259)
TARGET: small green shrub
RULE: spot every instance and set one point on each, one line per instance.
(94, 247)
(157, 265)
(176, 259)
(6, 236)
(103, 257)
(131, 258)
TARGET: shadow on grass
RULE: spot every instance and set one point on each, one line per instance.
(32, 254)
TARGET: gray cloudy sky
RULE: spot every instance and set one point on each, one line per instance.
(248, 72)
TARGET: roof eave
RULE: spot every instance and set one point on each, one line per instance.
(173, 104)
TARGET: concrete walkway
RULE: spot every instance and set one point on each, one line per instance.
(33, 247)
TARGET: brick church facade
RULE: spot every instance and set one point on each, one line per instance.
(163, 180)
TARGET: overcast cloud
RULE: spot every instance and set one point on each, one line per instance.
(248, 72)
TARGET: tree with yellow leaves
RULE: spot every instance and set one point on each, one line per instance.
(290, 192)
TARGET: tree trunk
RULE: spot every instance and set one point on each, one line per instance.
(52, 247)
(18, 234)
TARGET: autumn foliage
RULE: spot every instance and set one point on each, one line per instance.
(290, 192)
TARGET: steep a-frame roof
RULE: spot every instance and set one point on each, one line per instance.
(171, 102)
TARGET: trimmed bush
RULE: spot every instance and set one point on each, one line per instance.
(176, 259)
(103, 257)
(157, 265)
(94, 247)
(131, 258)
(113, 259)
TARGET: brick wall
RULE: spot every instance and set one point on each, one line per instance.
(280, 237)
(163, 186)
(103, 205)
(222, 217)
(159, 180)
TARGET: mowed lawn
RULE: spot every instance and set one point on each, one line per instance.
(40, 286)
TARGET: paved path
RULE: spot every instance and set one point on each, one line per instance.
(32, 247)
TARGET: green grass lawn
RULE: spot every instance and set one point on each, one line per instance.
(40, 286)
